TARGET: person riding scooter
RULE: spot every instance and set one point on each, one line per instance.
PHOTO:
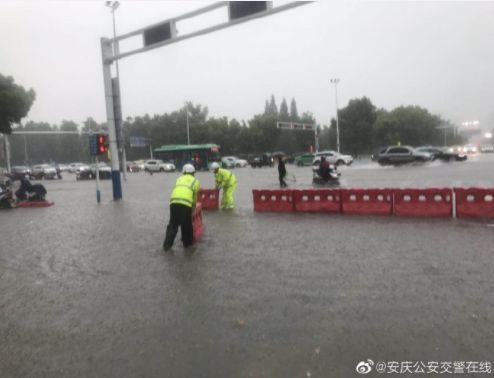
(29, 192)
(324, 169)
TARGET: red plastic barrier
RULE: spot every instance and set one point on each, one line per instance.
(434, 202)
(209, 199)
(367, 201)
(273, 200)
(43, 203)
(474, 202)
(197, 225)
(317, 200)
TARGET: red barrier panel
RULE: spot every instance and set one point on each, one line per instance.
(209, 199)
(434, 202)
(197, 225)
(273, 200)
(367, 201)
(317, 200)
(43, 203)
(474, 202)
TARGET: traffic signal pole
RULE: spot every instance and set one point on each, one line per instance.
(107, 54)
(164, 33)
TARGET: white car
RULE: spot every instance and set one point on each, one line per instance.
(487, 148)
(78, 167)
(228, 162)
(470, 149)
(240, 163)
(158, 166)
(333, 157)
(43, 172)
(141, 164)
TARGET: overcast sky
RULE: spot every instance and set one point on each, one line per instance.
(439, 55)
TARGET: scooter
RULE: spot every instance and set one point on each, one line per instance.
(330, 179)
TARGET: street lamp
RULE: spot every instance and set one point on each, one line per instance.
(335, 81)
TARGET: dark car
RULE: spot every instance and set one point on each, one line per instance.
(400, 155)
(264, 160)
(443, 153)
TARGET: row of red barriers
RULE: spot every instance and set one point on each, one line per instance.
(197, 225)
(432, 202)
(209, 198)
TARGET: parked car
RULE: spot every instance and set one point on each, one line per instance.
(263, 160)
(141, 164)
(401, 155)
(104, 171)
(158, 166)
(43, 172)
(304, 159)
(487, 148)
(132, 166)
(62, 167)
(470, 149)
(76, 167)
(333, 157)
(228, 162)
(240, 163)
(20, 170)
(443, 153)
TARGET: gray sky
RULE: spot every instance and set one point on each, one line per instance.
(438, 55)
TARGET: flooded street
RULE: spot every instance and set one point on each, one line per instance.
(88, 292)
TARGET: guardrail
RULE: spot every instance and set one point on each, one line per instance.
(410, 202)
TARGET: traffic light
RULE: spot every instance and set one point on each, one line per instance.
(101, 144)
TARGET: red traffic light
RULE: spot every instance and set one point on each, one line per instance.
(101, 144)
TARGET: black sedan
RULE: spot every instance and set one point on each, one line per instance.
(443, 153)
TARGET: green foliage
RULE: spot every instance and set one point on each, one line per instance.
(15, 103)
(362, 129)
(284, 116)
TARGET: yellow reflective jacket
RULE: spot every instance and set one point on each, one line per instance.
(224, 178)
(185, 191)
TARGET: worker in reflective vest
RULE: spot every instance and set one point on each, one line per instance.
(182, 200)
(227, 181)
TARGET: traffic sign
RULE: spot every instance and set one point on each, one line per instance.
(296, 126)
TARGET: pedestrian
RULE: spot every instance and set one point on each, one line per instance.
(227, 181)
(282, 171)
(182, 201)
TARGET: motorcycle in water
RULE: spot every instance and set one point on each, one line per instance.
(325, 177)
(29, 195)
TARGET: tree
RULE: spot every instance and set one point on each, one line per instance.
(284, 116)
(411, 125)
(15, 103)
(293, 111)
(273, 109)
(356, 122)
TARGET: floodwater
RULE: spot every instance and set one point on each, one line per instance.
(88, 292)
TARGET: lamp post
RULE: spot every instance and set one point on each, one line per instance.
(113, 5)
(335, 81)
(188, 134)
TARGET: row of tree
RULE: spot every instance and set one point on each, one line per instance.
(363, 128)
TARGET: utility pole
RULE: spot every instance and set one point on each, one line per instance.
(335, 81)
(188, 135)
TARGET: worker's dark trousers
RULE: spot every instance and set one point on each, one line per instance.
(180, 215)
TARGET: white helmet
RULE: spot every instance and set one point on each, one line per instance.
(215, 166)
(188, 168)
